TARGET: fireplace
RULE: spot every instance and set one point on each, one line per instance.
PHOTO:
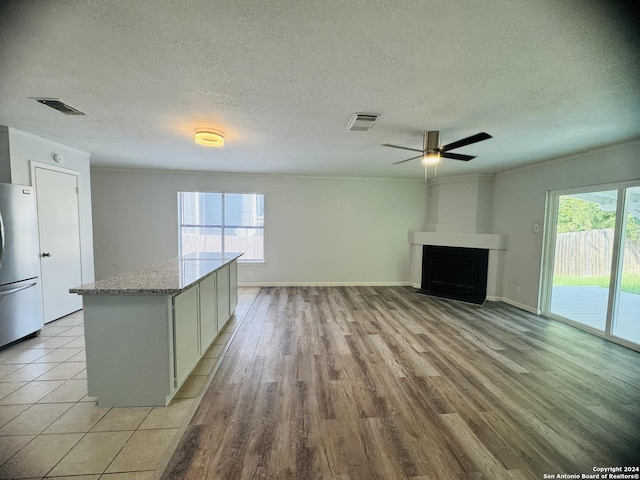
(455, 272)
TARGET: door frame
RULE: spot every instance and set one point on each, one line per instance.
(548, 257)
(32, 166)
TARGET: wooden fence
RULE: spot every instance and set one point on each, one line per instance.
(587, 254)
(251, 246)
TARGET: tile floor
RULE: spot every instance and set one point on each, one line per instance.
(51, 428)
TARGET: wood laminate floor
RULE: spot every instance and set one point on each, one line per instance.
(385, 383)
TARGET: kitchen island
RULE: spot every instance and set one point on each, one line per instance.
(146, 330)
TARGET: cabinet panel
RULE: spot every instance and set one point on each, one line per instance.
(222, 288)
(208, 312)
(127, 347)
(185, 331)
(233, 286)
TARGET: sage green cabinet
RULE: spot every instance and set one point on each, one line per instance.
(185, 333)
(222, 288)
(208, 312)
(233, 286)
(142, 345)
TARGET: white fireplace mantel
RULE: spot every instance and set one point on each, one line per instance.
(489, 241)
(495, 243)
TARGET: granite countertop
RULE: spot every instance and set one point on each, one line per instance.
(166, 278)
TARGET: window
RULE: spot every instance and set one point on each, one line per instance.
(213, 224)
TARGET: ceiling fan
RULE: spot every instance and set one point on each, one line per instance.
(432, 153)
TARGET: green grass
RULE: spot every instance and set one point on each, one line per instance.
(630, 282)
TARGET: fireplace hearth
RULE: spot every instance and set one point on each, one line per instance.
(457, 273)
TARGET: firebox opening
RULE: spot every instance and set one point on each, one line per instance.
(455, 272)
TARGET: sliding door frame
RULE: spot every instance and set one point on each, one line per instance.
(548, 257)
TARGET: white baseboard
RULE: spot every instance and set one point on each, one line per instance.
(519, 305)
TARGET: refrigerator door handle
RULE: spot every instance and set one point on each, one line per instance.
(1, 239)
(17, 289)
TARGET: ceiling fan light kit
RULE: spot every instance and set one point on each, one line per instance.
(209, 138)
(431, 158)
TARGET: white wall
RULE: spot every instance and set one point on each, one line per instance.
(460, 203)
(25, 148)
(317, 229)
(519, 198)
(5, 162)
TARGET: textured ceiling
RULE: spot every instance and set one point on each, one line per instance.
(282, 78)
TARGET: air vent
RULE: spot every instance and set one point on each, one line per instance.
(58, 105)
(361, 122)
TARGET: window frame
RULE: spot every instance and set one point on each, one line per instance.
(223, 225)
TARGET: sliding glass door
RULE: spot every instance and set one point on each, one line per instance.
(626, 321)
(592, 260)
(582, 261)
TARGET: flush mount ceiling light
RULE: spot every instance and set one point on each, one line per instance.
(209, 138)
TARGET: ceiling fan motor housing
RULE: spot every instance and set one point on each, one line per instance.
(431, 140)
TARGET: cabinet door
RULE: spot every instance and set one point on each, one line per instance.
(222, 297)
(186, 351)
(233, 286)
(208, 312)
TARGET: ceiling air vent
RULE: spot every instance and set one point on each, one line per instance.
(58, 105)
(361, 122)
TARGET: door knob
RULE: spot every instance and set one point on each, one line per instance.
(46, 254)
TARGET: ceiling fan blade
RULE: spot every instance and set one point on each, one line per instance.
(412, 158)
(478, 137)
(457, 156)
(403, 148)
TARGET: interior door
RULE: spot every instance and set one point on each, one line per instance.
(59, 229)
